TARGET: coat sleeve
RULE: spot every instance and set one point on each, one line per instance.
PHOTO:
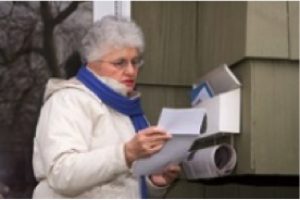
(62, 137)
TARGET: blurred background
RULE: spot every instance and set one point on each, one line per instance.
(38, 40)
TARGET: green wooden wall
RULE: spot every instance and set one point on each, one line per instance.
(259, 41)
(293, 30)
(275, 116)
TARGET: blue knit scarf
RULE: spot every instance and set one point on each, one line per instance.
(130, 107)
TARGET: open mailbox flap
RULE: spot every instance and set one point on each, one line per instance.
(223, 108)
(220, 79)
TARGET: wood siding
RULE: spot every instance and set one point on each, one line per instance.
(267, 32)
(293, 16)
(259, 41)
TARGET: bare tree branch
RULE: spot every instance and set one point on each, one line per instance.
(3, 55)
(24, 52)
(48, 37)
(26, 47)
(9, 13)
(36, 50)
(57, 5)
(39, 51)
(25, 4)
(46, 14)
(66, 12)
(50, 22)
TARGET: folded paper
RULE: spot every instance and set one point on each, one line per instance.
(215, 161)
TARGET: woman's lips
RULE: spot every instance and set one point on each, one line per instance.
(129, 83)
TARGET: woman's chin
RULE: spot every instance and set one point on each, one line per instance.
(130, 90)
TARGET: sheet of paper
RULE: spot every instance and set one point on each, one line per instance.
(182, 121)
(183, 124)
(172, 154)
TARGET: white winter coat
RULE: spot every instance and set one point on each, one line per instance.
(79, 146)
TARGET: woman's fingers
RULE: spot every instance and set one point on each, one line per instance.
(172, 169)
(156, 144)
(155, 148)
(171, 173)
(145, 143)
(153, 138)
(153, 135)
(153, 131)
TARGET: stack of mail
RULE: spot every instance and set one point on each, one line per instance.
(200, 93)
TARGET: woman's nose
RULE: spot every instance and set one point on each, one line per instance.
(130, 69)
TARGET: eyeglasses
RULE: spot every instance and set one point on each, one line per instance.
(123, 63)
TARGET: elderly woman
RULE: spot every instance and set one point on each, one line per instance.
(92, 129)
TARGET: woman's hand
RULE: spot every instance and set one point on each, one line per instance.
(145, 143)
(167, 177)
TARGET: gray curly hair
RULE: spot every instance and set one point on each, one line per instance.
(111, 32)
